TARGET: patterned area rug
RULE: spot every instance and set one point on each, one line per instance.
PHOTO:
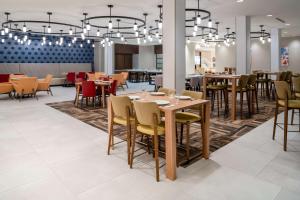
(223, 130)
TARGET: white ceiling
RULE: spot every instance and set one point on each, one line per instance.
(224, 11)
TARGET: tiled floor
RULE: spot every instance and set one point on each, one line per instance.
(45, 154)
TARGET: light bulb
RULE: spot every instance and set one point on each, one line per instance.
(145, 41)
(28, 42)
(98, 33)
(56, 42)
(19, 40)
(261, 38)
(81, 45)
(150, 39)
(108, 44)
(210, 35)
(209, 23)
(70, 32)
(145, 31)
(75, 39)
(118, 34)
(135, 27)
(82, 36)
(84, 31)
(42, 43)
(111, 42)
(110, 25)
(88, 26)
(49, 29)
(103, 45)
(263, 41)
(25, 38)
(157, 35)
(93, 45)
(136, 34)
(233, 43)
(227, 40)
(269, 39)
(69, 44)
(194, 34)
(6, 30)
(107, 39)
(160, 24)
(50, 43)
(2, 32)
(159, 41)
(195, 28)
(217, 36)
(122, 38)
(219, 45)
(44, 38)
(188, 40)
(88, 41)
(10, 35)
(61, 39)
(2, 40)
(198, 20)
(15, 37)
(24, 28)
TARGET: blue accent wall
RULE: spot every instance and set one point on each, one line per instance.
(13, 52)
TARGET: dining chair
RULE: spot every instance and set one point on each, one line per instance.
(218, 88)
(6, 88)
(284, 99)
(88, 91)
(167, 91)
(158, 81)
(251, 87)
(122, 113)
(25, 86)
(125, 77)
(44, 84)
(296, 92)
(70, 78)
(186, 118)
(81, 75)
(148, 122)
(261, 82)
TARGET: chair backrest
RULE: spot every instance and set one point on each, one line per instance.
(243, 81)
(49, 78)
(120, 105)
(118, 77)
(125, 75)
(167, 91)
(283, 91)
(12, 76)
(195, 81)
(4, 78)
(288, 76)
(296, 84)
(26, 85)
(113, 87)
(98, 75)
(193, 94)
(81, 75)
(252, 80)
(88, 89)
(282, 76)
(71, 77)
(144, 112)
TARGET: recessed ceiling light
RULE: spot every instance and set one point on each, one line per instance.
(269, 15)
(239, 1)
(287, 24)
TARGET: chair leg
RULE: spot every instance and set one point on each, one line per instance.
(256, 99)
(128, 142)
(292, 118)
(50, 91)
(248, 102)
(241, 103)
(285, 128)
(187, 142)
(181, 133)
(275, 122)
(156, 157)
(111, 135)
(132, 148)
(218, 103)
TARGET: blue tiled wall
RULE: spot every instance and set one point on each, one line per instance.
(13, 52)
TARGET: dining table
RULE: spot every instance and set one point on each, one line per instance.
(98, 83)
(229, 78)
(169, 111)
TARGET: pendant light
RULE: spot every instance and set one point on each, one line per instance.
(98, 33)
(49, 27)
(160, 17)
(135, 26)
(269, 39)
(194, 34)
(118, 33)
(217, 32)
(122, 38)
(110, 25)
(159, 41)
(145, 31)
(6, 29)
(70, 31)
(188, 41)
(24, 29)
(209, 23)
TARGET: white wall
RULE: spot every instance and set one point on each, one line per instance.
(146, 59)
(260, 56)
(293, 43)
(98, 58)
(190, 58)
(225, 57)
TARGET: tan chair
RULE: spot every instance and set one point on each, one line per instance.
(25, 86)
(119, 79)
(125, 77)
(285, 100)
(186, 118)
(16, 76)
(167, 91)
(6, 88)
(296, 90)
(148, 122)
(44, 84)
(122, 115)
(99, 75)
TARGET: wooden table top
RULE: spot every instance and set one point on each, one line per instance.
(222, 76)
(97, 82)
(175, 104)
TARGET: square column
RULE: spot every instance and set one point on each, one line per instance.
(98, 58)
(275, 49)
(174, 44)
(109, 59)
(243, 53)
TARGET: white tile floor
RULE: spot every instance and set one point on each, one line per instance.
(45, 154)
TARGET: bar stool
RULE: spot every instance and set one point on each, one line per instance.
(251, 86)
(218, 88)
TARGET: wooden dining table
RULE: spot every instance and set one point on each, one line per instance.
(233, 79)
(98, 83)
(170, 126)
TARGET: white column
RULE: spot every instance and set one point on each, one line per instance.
(275, 49)
(109, 59)
(243, 53)
(174, 44)
(98, 58)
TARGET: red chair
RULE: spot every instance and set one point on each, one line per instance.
(81, 75)
(112, 88)
(88, 91)
(70, 78)
(4, 78)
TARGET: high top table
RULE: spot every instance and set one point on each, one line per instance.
(233, 79)
(170, 126)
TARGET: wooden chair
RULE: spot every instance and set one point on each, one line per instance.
(251, 86)
(122, 115)
(285, 100)
(167, 91)
(148, 122)
(44, 84)
(218, 89)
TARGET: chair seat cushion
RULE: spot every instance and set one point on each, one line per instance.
(6, 88)
(297, 95)
(216, 87)
(122, 121)
(237, 89)
(184, 117)
(291, 103)
(150, 131)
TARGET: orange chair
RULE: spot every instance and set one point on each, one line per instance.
(44, 84)
(125, 77)
(119, 78)
(6, 88)
(25, 86)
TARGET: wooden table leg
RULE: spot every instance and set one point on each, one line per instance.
(233, 99)
(204, 86)
(77, 95)
(103, 96)
(170, 145)
(267, 87)
(109, 115)
(206, 131)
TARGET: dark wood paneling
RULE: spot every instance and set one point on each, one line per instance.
(123, 61)
(126, 49)
(158, 49)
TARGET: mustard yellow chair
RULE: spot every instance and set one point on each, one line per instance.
(119, 79)
(125, 77)
(122, 112)
(167, 91)
(6, 88)
(186, 118)
(44, 84)
(285, 100)
(296, 87)
(148, 122)
(25, 86)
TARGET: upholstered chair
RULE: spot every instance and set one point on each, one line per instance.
(125, 77)
(44, 84)
(25, 86)
(119, 78)
(122, 112)
(148, 122)
(6, 88)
